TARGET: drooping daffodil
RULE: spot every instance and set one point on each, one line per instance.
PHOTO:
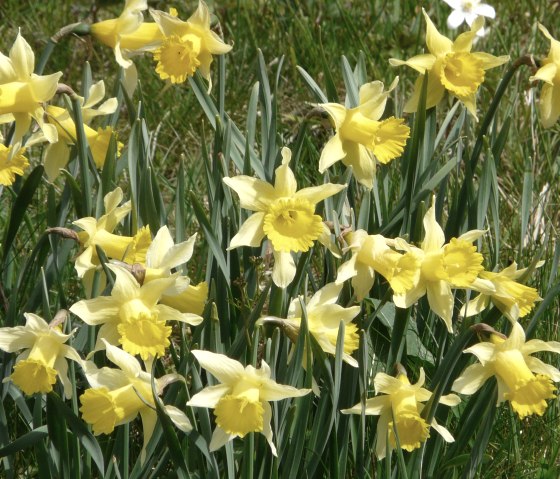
(549, 73)
(467, 11)
(11, 164)
(22, 92)
(43, 358)
(131, 316)
(187, 45)
(323, 321)
(398, 403)
(513, 299)
(240, 401)
(371, 254)
(523, 380)
(450, 66)
(283, 214)
(361, 138)
(117, 396)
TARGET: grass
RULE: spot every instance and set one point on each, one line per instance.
(314, 35)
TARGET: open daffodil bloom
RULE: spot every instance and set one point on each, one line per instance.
(11, 164)
(526, 382)
(399, 407)
(43, 358)
(450, 66)
(240, 402)
(186, 46)
(117, 396)
(549, 73)
(284, 215)
(361, 137)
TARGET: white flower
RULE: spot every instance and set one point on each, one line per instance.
(467, 11)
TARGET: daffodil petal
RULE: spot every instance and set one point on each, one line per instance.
(471, 380)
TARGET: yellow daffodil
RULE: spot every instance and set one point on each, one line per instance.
(57, 154)
(370, 254)
(399, 408)
(549, 73)
(126, 35)
(323, 320)
(187, 46)
(11, 164)
(22, 92)
(450, 66)
(117, 396)
(43, 358)
(96, 93)
(100, 232)
(240, 401)
(442, 266)
(131, 316)
(510, 361)
(513, 299)
(361, 137)
(283, 214)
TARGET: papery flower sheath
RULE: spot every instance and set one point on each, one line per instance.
(371, 254)
(240, 401)
(398, 403)
(22, 92)
(361, 138)
(131, 316)
(549, 73)
(117, 396)
(43, 358)
(450, 66)
(283, 214)
(526, 382)
(187, 46)
(323, 320)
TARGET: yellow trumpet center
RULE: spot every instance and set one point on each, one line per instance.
(411, 429)
(462, 262)
(461, 73)
(178, 57)
(239, 414)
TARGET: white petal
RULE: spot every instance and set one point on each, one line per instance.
(250, 233)
(485, 10)
(209, 396)
(96, 311)
(224, 369)
(219, 438)
(179, 418)
(471, 380)
(254, 194)
(443, 432)
(126, 362)
(284, 269)
(267, 429)
(455, 19)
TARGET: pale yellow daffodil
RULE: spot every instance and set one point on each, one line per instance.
(22, 92)
(323, 320)
(371, 254)
(283, 214)
(11, 164)
(131, 316)
(240, 401)
(187, 45)
(549, 73)
(361, 137)
(513, 299)
(399, 407)
(99, 232)
(44, 356)
(450, 65)
(511, 362)
(117, 396)
(443, 266)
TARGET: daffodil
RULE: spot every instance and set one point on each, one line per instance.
(513, 299)
(57, 154)
(283, 214)
(549, 73)
(510, 360)
(11, 164)
(96, 93)
(371, 254)
(450, 66)
(126, 35)
(467, 11)
(240, 401)
(117, 396)
(43, 358)
(131, 316)
(398, 403)
(443, 265)
(187, 45)
(22, 92)
(99, 232)
(361, 137)
(323, 320)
